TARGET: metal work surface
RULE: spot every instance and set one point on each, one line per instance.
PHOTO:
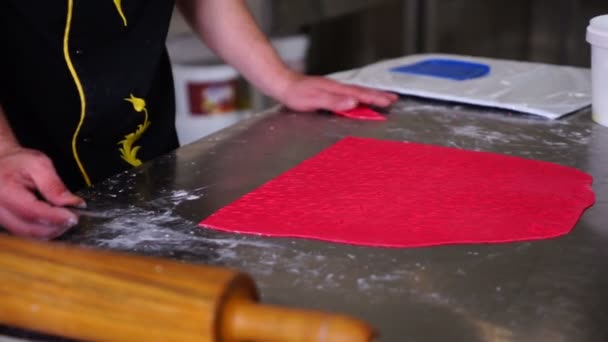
(551, 290)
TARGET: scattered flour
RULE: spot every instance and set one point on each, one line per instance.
(479, 133)
(158, 230)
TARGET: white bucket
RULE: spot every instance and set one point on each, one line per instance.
(205, 90)
(597, 36)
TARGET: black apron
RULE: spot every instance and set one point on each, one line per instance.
(88, 82)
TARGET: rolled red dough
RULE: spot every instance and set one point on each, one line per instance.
(392, 194)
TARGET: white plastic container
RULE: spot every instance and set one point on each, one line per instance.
(206, 96)
(206, 100)
(597, 36)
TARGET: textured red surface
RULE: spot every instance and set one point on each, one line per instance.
(362, 113)
(383, 193)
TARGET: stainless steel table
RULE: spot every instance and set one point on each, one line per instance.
(551, 290)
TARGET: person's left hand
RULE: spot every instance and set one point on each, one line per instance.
(309, 93)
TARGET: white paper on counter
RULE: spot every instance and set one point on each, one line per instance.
(547, 90)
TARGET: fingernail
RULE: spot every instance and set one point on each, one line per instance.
(347, 104)
(67, 195)
(71, 222)
(384, 102)
(71, 197)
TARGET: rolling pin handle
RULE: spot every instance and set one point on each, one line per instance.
(249, 321)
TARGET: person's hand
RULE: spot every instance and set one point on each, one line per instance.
(309, 93)
(23, 173)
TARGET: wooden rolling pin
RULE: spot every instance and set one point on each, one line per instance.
(88, 294)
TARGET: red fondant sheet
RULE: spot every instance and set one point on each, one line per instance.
(392, 194)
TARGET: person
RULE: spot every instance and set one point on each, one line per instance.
(86, 91)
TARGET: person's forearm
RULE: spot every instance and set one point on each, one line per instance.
(8, 141)
(228, 28)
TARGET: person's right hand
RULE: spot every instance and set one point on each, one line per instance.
(23, 174)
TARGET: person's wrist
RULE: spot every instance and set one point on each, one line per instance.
(282, 84)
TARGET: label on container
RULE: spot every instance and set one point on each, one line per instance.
(212, 98)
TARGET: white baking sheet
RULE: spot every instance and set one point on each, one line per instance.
(547, 90)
